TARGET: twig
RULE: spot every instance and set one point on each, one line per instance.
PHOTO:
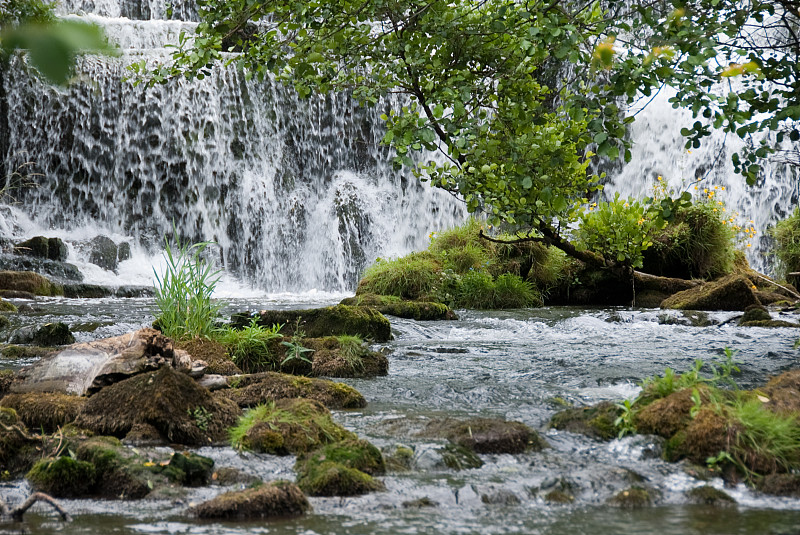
(16, 514)
(784, 288)
(14, 429)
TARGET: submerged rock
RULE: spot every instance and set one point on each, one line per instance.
(44, 410)
(278, 499)
(733, 292)
(320, 322)
(395, 306)
(632, 498)
(487, 435)
(708, 495)
(260, 388)
(459, 458)
(167, 400)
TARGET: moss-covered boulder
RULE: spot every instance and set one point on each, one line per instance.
(44, 410)
(28, 281)
(167, 400)
(212, 353)
(319, 322)
(783, 392)
(352, 452)
(708, 495)
(345, 356)
(64, 477)
(732, 292)
(329, 478)
(596, 421)
(278, 499)
(459, 458)
(780, 485)
(632, 498)
(189, 469)
(53, 334)
(486, 435)
(120, 474)
(666, 416)
(42, 247)
(770, 324)
(705, 436)
(8, 307)
(260, 388)
(396, 306)
(287, 426)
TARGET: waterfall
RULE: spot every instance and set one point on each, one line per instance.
(299, 194)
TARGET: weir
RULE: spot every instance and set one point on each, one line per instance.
(299, 194)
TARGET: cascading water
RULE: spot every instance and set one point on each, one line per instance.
(299, 194)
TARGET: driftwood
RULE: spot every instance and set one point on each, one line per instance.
(16, 513)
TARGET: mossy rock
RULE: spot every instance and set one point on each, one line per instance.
(769, 324)
(398, 458)
(559, 496)
(287, 426)
(666, 416)
(780, 485)
(6, 378)
(596, 421)
(41, 247)
(420, 503)
(260, 388)
(487, 435)
(503, 497)
(460, 458)
(119, 472)
(755, 313)
(332, 358)
(53, 334)
(783, 392)
(353, 453)
(189, 469)
(164, 399)
(279, 499)
(395, 306)
(708, 495)
(733, 292)
(45, 410)
(705, 436)
(319, 322)
(213, 353)
(28, 281)
(64, 477)
(329, 478)
(632, 498)
(6, 306)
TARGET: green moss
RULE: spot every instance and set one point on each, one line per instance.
(769, 323)
(632, 498)
(7, 306)
(302, 424)
(278, 499)
(596, 421)
(102, 452)
(708, 495)
(266, 387)
(399, 458)
(45, 410)
(559, 496)
(320, 322)
(395, 306)
(28, 281)
(487, 435)
(330, 478)
(189, 469)
(352, 453)
(733, 292)
(459, 458)
(63, 477)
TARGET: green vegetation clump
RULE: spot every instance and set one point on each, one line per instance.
(463, 270)
(64, 477)
(699, 242)
(787, 243)
(249, 347)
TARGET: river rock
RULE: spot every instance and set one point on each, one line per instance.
(28, 281)
(733, 292)
(708, 495)
(319, 322)
(47, 335)
(486, 435)
(165, 399)
(278, 499)
(596, 421)
(41, 247)
(260, 388)
(341, 469)
(62, 271)
(103, 252)
(395, 306)
(44, 410)
(337, 357)
(6, 306)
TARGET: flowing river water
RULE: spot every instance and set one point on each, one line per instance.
(521, 365)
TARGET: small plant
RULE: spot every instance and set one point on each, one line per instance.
(249, 347)
(624, 422)
(351, 349)
(202, 417)
(183, 292)
(295, 351)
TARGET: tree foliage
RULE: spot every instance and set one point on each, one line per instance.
(518, 97)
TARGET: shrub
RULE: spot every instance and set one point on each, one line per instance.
(410, 277)
(183, 292)
(787, 244)
(249, 347)
(475, 289)
(513, 292)
(698, 242)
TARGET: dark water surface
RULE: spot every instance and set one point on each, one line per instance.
(515, 364)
